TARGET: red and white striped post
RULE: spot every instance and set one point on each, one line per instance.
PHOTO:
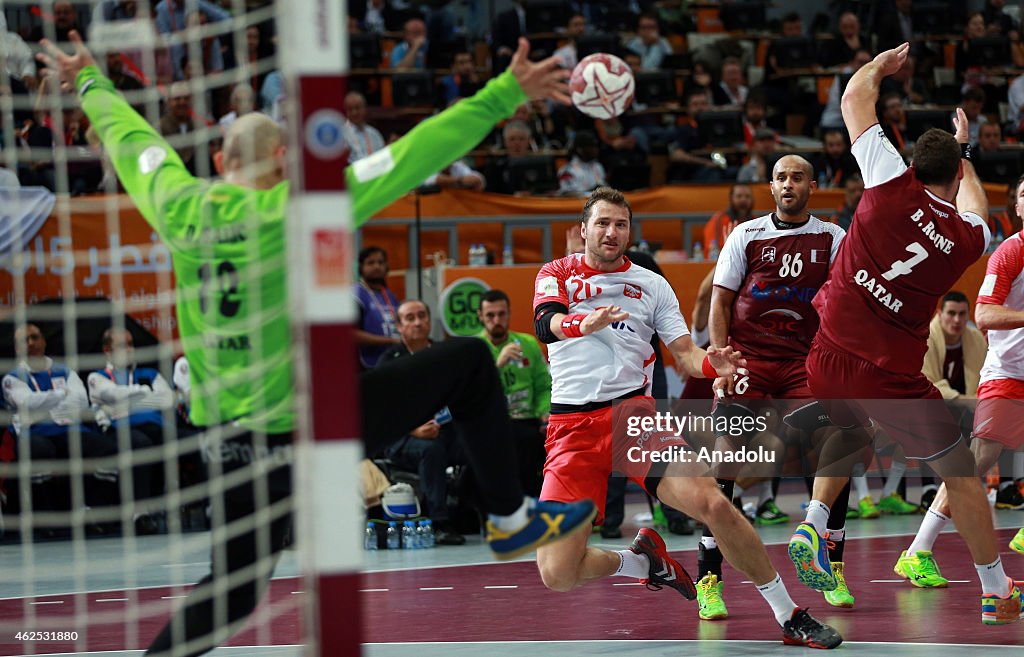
(314, 61)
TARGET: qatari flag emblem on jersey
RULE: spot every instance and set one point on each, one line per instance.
(633, 291)
(819, 255)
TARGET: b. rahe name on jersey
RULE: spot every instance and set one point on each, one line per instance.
(877, 289)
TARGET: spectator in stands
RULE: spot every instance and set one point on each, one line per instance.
(974, 28)
(458, 175)
(140, 399)
(718, 227)
(109, 11)
(613, 134)
(19, 61)
(700, 79)
(411, 53)
(259, 49)
(686, 165)
(972, 102)
(170, 18)
(178, 123)
(583, 173)
(911, 89)
(463, 81)
(378, 319)
(731, 90)
(271, 95)
(527, 383)
(848, 40)
(893, 119)
(516, 138)
(363, 139)
(242, 102)
(1015, 96)
(832, 115)
(990, 137)
(835, 163)
(509, 25)
(755, 109)
(432, 447)
(895, 26)
(758, 166)
(782, 83)
(648, 43)
(1006, 223)
(547, 123)
(574, 29)
(853, 189)
(65, 19)
(123, 81)
(997, 21)
(210, 47)
(47, 400)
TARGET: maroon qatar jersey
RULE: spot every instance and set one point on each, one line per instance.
(776, 268)
(905, 249)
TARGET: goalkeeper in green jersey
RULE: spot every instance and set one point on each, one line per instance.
(227, 241)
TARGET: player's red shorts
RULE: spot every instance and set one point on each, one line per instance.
(907, 406)
(1000, 412)
(778, 379)
(583, 450)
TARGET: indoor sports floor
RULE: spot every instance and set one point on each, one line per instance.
(455, 601)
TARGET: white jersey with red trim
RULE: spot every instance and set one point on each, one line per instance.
(619, 358)
(1004, 286)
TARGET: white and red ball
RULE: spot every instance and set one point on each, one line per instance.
(602, 86)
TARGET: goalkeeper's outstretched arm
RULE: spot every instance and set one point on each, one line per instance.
(148, 167)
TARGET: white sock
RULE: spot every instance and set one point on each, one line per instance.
(517, 519)
(933, 523)
(817, 516)
(860, 485)
(837, 535)
(634, 565)
(892, 482)
(1018, 465)
(993, 578)
(708, 542)
(928, 487)
(764, 492)
(776, 595)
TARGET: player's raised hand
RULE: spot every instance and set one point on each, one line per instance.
(66, 66)
(960, 126)
(724, 386)
(601, 318)
(890, 61)
(544, 79)
(727, 361)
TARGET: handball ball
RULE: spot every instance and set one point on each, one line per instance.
(601, 86)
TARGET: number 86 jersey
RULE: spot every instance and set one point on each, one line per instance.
(905, 249)
(775, 268)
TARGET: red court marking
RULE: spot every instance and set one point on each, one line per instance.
(478, 608)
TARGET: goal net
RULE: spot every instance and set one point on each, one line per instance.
(116, 495)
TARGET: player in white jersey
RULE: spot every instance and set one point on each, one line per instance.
(997, 420)
(597, 312)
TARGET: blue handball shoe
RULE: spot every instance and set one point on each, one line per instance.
(809, 554)
(548, 522)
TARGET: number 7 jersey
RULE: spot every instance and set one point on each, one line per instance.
(905, 249)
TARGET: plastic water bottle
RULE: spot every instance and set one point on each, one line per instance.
(426, 530)
(370, 542)
(393, 536)
(410, 541)
(507, 256)
(643, 247)
(477, 255)
(698, 252)
(713, 251)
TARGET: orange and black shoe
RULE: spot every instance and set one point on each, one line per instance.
(806, 630)
(664, 571)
